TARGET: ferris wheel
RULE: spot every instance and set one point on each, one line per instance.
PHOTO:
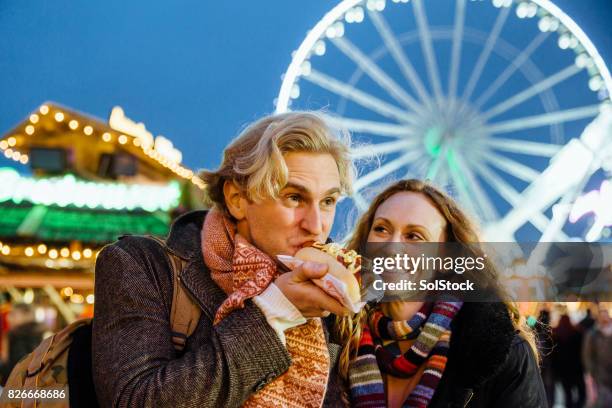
(487, 99)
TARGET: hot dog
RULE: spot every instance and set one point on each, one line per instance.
(343, 264)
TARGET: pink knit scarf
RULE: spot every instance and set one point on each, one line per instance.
(243, 271)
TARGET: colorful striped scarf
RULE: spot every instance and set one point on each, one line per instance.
(379, 353)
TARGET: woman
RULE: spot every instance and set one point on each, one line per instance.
(484, 357)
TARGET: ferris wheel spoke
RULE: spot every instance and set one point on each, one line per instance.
(531, 91)
(453, 73)
(511, 69)
(416, 169)
(433, 169)
(459, 180)
(377, 74)
(386, 169)
(483, 201)
(545, 119)
(508, 193)
(486, 52)
(426, 44)
(511, 167)
(398, 55)
(465, 196)
(380, 148)
(522, 146)
(504, 189)
(362, 98)
(436, 165)
(360, 201)
(370, 127)
(442, 178)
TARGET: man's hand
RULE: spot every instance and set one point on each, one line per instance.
(307, 297)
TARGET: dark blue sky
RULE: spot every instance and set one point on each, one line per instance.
(194, 71)
(199, 71)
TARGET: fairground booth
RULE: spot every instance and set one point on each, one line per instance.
(82, 183)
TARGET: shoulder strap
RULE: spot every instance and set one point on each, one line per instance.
(185, 312)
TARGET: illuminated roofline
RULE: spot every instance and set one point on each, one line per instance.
(67, 191)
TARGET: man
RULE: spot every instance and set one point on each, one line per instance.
(597, 358)
(275, 192)
(24, 334)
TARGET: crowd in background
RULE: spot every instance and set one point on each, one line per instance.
(576, 356)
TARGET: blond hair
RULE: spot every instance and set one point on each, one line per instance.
(459, 228)
(254, 160)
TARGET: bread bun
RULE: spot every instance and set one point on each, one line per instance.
(344, 265)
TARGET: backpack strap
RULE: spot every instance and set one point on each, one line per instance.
(185, 312)
(30, 381)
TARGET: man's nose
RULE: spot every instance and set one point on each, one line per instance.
(312, 221)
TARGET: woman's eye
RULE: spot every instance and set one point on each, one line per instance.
(413, 236)
(379, 228)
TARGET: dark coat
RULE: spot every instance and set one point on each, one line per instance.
(489, 365)
(22, 340)
(134, 362)
(566, 356)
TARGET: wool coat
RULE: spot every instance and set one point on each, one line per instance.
(134, 361)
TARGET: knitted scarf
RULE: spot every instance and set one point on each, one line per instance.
(243, 271)
(379, 353)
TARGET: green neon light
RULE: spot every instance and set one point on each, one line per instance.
(69, 191)
(454, 168)
(452, 161)
(433, 141)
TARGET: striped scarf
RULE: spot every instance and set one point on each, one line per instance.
(379, 353)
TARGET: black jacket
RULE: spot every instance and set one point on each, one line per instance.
(489, 365)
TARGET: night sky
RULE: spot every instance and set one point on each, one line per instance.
(193, 71)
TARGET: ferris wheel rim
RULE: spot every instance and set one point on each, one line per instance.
(584, 39)
(317, 32)
(306, 45)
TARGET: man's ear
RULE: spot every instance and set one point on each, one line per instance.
(234, 200)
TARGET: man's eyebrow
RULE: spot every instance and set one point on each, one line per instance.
(334, 190)
(306, 191)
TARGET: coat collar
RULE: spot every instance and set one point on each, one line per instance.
(482, 334)
(184, 239)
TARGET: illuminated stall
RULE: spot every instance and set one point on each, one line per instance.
(90, 183)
